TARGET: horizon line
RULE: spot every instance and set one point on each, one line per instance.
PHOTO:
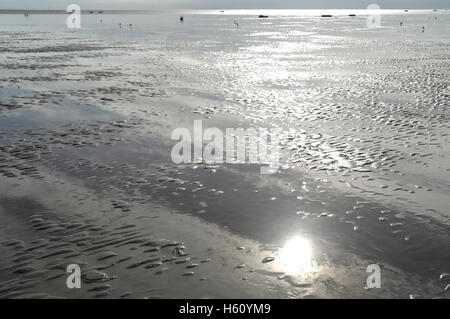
(98, 10)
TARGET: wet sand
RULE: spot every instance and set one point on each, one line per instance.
(86, 175)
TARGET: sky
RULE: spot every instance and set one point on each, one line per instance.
(222, 4)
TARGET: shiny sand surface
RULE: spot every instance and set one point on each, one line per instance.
(86, 175)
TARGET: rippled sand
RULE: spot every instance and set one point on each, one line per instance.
(86, 175)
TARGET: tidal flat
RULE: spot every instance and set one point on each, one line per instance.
(87, 178)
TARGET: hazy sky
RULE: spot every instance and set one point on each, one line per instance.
(225, 4)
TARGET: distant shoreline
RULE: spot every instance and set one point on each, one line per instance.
(22, 11)
(218, 11)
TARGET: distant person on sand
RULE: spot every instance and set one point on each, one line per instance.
(131, 26)
(423, 29)
(120, 25)
(181, 19)
(401, 23)
(236, 23)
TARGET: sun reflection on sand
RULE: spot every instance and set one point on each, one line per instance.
(296, 257)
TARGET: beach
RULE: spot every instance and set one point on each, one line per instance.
(87, 178)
